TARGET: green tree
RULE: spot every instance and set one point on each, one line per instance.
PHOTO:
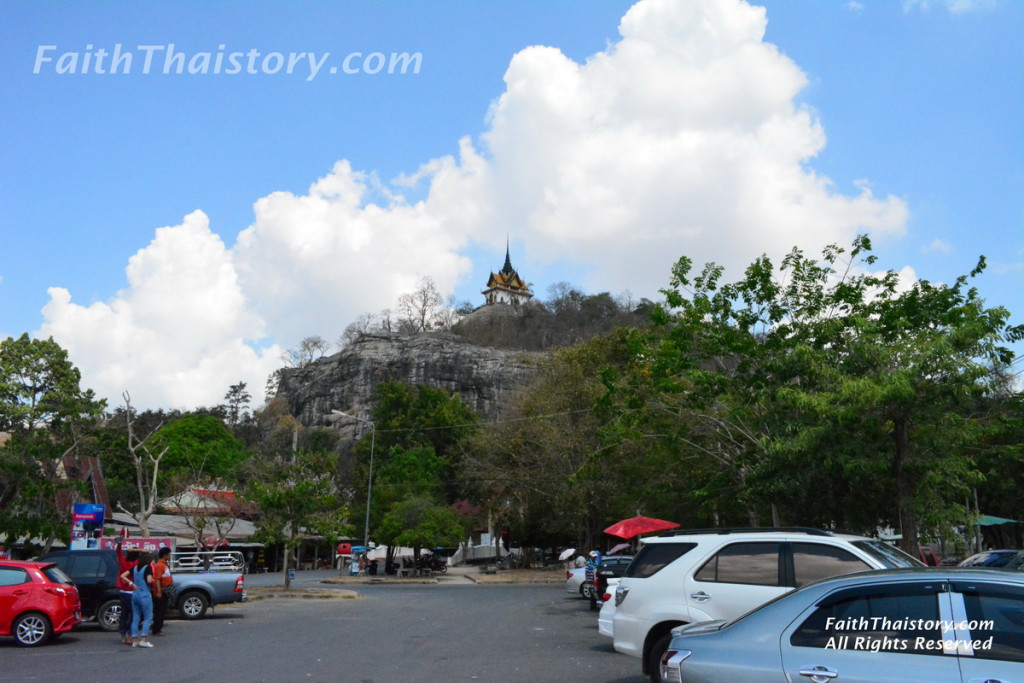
(199, 445)
(238, 400)
(819, 377)
(421, 522)
(47, 416)
(296, 497)
(408, 417)
(545, 473)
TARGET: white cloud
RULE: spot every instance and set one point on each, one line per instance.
(940, 246)
(854, 6)
(682, 138)
(954, 6)
(177, 335)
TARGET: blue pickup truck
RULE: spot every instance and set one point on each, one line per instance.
(193, 592)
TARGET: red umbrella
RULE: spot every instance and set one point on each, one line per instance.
(634, 526)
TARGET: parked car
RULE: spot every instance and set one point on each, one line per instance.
(684, 577)
(38, 602)
(575, 578)
(926, 625)
(997, 559)
(95, 574)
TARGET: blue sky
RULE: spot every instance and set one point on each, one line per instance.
(604, 152)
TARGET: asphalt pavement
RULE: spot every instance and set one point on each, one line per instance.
(457, 631)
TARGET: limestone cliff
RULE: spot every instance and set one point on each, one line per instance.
(483, 377)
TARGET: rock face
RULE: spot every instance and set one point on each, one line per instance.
(483, 377)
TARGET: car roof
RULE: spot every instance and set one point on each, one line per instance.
(26, 564)
(985, 574)
(745, 532)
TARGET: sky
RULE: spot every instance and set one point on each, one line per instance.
(191, 188)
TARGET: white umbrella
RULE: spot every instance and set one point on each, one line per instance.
(567, 553)
(621, 546)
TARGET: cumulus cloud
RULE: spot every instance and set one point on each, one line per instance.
(684, 137)
(178, 336)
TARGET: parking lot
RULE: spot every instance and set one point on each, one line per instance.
(442, 632)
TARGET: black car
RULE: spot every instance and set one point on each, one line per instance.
(613, 567)
(996, 559)
(95, 575)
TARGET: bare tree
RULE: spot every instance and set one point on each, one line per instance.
(449, 314)
(419, 308)
(356, 329)
(207, 509)
(309, 349)
(147, 469)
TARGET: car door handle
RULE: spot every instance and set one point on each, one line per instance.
(819, 674)
(700, 596)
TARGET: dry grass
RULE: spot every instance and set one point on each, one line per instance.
(546, 575)
(279, 593)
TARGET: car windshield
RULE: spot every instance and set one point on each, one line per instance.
(890, 556)
(991, 559)
(56, 575)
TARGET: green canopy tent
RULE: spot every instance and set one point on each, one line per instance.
(998, 534)
(989, 520)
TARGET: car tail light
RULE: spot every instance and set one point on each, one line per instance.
(568, 574)
(606, 597)
(620, 594)
(54, 589)
(240, 584)
(670, 661)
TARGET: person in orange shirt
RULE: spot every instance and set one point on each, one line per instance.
(161, 582)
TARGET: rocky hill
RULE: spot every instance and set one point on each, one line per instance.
(483, 377)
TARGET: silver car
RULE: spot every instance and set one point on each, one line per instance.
(933, 625)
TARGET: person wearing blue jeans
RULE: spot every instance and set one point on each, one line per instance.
(142, 600)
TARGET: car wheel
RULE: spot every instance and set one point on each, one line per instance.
(109, 615)
(654, 657)
(31, 629)
(193, 605)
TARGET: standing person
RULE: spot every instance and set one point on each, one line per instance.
(124, 588)
(161, 582)
(141, 579)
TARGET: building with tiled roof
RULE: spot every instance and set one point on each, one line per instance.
(506, 287)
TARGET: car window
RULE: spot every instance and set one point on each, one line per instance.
(750, 563)
(995, 612)
(13, 576)
(891, 618)
(88, 567)
(57, 576)
(653, 557)
(890, 556)
(813, 561)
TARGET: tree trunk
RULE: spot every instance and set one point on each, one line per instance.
(905, 487)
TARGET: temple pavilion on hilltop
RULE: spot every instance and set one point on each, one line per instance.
(506, 287)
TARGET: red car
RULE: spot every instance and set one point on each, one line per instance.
(37, 602)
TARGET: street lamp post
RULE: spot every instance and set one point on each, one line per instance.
(369, 484)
